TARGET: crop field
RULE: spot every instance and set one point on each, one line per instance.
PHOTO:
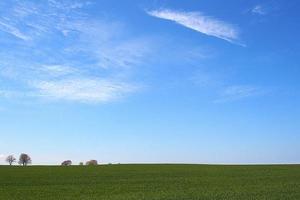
(150, 182)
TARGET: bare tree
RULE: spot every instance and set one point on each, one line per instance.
(66, 163)
(11, 159)
(24, 159)
(92, 162)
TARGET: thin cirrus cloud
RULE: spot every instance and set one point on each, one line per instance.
(224, 92)
(84, 90)
(13, 31)
(94, 69)
(57, 70)
(238, 92)
(199, 22)
(259, 10)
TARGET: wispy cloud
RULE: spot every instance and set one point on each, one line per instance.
(57, 70)
(73, 4)
(28, 21)
(13, 31)
(84, 90)
(200, 22)
(103, 41)
(238, 92)
(258, 9)
(126, 54)
(222, 91)
(93, 64)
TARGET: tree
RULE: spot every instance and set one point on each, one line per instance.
(92, 162)
(81, 163)
(24, 159)
(66, 163)
(11, 159)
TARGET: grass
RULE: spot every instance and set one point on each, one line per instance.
(151, 182)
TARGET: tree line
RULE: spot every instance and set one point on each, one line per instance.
(69, 162)
(24, 159)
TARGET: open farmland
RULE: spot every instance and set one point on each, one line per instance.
(150, 182)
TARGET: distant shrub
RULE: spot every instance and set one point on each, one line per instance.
(66, 163)
(92, 162)
(81, 163)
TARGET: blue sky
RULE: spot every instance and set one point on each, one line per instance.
(150, 81)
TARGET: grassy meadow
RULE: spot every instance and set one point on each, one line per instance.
(150, 182)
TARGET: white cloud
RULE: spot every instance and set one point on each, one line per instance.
(22, 10)
(28, 21)
(57, 70)
(83, 89)
(125, 55)
(92, 65)
(258, 9)
(13, 31)
(237, 92)
(69, 4)
(199, 22)
(217, 84)
(104, 42)
(2, 156)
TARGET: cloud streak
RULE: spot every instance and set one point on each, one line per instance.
(199, 22)
(93, 64)
(57, 70)
(13, 31)
(84, 90)
(238, 92)
(223, 91)
(258, 9)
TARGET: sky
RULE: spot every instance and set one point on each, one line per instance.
(150, 81)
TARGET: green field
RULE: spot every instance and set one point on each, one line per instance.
(151, 182)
